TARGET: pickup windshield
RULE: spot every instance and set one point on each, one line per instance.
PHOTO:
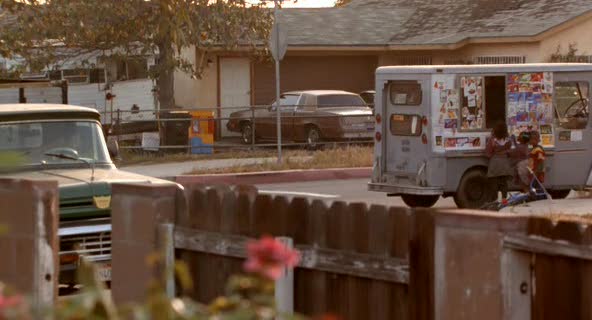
(40, 142)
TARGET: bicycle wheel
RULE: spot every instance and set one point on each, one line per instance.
(491, 206)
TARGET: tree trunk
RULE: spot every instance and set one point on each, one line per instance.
(166, 80)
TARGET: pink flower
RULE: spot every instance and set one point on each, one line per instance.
(268, 258)
(10, 302)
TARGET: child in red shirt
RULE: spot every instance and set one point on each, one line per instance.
(536, 158)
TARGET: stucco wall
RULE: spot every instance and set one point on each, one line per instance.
(193, 93)
(578, 34)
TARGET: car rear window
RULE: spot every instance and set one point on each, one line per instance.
(340, 100)
(405, 125)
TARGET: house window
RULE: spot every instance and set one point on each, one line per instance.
(76, 75)
(406, 93)
(572, 104)
(500, 59)
(483, 102)
(132, 68)
(55, 75)
(97, 75)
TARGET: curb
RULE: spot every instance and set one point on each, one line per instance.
(271, 177)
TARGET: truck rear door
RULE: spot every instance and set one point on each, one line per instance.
(407, 109)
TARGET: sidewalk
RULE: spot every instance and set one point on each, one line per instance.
(172, 169)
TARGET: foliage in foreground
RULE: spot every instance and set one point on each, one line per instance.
(249, 296)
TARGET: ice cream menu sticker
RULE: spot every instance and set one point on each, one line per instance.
(472, 103)
(446, 122)
(530, 104)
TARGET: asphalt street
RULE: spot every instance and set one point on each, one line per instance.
(339, 190)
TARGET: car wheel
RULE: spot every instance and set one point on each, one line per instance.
(474, 190)
(559, 194)
(419, 201)
(313, 137)
(247, 133)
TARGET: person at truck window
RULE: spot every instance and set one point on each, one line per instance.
(536, 160)
(519, 156)
(499, 170)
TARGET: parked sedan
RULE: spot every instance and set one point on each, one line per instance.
(308, 116)
(368, 97)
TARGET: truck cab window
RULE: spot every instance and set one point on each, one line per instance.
(405, 93)
(572, 104)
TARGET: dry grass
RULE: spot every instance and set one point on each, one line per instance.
(343, 157)
(135, 158)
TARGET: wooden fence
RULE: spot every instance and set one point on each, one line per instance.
(359, 261)
(354, 257)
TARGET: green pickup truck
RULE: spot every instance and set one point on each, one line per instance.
(66, 143)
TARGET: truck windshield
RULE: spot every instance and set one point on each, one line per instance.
(40, 142)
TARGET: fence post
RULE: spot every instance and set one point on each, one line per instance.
(118, 125)
(166, 245)
(29, 245)
(284, 286)
(252, 128)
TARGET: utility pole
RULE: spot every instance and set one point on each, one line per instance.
(278, 113)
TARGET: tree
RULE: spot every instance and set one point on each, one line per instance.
(44, 32)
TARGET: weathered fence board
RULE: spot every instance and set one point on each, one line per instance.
(352, 264)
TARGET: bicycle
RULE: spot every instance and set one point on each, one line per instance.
(536, 192)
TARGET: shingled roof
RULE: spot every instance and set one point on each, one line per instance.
(421, 22)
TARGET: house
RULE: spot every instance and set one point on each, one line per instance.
(91, 77)
(339, 48)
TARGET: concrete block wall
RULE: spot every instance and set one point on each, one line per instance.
(29, 213)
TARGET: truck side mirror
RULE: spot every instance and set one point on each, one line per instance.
(113, 148)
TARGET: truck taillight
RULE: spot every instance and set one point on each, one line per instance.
(424, 121)
(378, 136)
(424, 139)
(378, 119)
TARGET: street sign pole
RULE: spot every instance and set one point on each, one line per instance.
(277, 80)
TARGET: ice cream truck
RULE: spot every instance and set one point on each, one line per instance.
(433, 123)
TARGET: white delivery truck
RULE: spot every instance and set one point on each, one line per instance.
(433, 123)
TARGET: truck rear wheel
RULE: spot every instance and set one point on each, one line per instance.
(474, 190)
(419, 201)
(559, 194)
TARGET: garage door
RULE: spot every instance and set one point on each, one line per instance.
(349, 73)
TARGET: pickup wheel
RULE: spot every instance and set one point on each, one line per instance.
(419, 201)
(474, 190)
(247, 133)
(313, 137)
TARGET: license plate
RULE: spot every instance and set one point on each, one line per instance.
(104, 272)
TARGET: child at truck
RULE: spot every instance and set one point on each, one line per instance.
(499, 170)
(519, 156)
(536, 159)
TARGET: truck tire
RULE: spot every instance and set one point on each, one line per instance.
(419, 201)
(559, 194)
(474, 190)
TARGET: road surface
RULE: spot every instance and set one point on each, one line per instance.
(339, 190)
